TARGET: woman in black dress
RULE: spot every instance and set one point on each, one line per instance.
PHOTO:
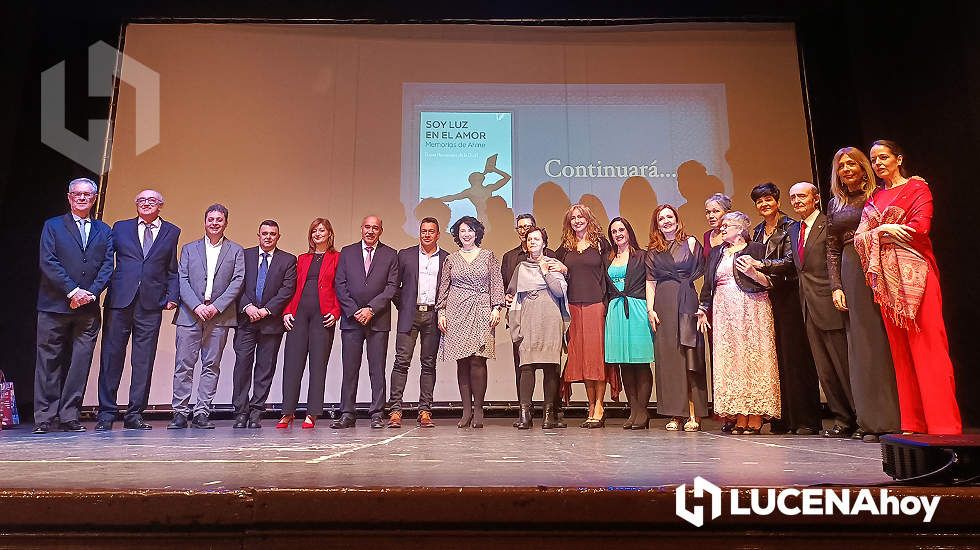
(872, 374)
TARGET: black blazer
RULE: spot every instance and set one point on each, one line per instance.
(815, 288)
(744, 282)
(778, 261)
(406, 297)
(374, 290)
(280, 282)
(636, 279)
(155, 276)
(65, 265)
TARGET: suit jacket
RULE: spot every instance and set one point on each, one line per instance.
(325, 283)
(65, 265)
(229, 277)
(406, 297)
(155, 276)
(280, 281)
(815, 289)
(355, 289)
(778, 261)
(744, 282)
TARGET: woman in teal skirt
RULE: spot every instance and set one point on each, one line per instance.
(629, 340)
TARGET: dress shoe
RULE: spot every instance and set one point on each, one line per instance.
(806, 430)
(524, 420)
(201, 422)
(551, 420)
(378, 422)
(255, 420)
(837, 431)
(41, 428)
(72, 426)
(345, 421)
(858, 434)
(870, 438)
(178, 423)
(778, 427)
(727, 426)
(309, 423)
(241, 421)
(285, 421)
(425, 420)
(103, 426)
(134, 424)
(395, 419)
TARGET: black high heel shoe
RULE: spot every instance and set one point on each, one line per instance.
(738, 430)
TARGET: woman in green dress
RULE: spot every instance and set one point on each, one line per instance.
(629, 340)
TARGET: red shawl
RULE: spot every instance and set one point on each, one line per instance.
(896, 272)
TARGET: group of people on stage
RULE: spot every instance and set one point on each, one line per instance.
(848, 301)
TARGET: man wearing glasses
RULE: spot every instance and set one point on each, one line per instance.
(143, 284)
(76, 262)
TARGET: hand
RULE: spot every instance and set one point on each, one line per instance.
(76, 301)
(509, 299)
(363, 315)
(494, 317)
(443, 326)
(898, 232)
(329, 320)
(654, 319)
(170, 305)
(287, 321)
(703, 324)
(202, 312)
(745, 265)
(556, 265)
(212, 311)
(254, 314)
(839, 300)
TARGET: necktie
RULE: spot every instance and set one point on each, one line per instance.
(799, 246)
(367, 259)
(263, 272)
(147, 238)
(82, 230)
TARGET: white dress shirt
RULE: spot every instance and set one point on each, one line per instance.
(154, 229)
(211, 252)
(809, 221)
(88, 233)
(428, 277)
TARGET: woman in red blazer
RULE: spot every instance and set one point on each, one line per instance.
(310, 319)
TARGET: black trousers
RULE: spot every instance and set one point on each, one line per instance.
(65, 345)
(798, 385)
(354, 341)
(255, 358)
(309, 338)
(143, 325)
(425, 326)
(829, 349)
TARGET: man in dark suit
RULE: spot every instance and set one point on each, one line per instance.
(210, 272)
(143, 284)
(270, 278)
(419, 270)
(76, 263)
(824, 323)
(366, 281)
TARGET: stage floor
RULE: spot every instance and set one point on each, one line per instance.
(226, 459)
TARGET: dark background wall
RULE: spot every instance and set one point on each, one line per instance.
(905, 71)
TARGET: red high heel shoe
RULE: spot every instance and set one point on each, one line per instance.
(309, 423)
(285, 421)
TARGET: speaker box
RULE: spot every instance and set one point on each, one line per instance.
(931, 458)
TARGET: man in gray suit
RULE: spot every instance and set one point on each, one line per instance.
(211, 272)
(824, 323)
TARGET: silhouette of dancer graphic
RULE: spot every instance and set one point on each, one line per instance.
(477, 193)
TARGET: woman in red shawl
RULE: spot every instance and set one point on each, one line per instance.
(896, 252)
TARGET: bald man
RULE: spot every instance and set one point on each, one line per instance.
(824, 323)
(366, 281)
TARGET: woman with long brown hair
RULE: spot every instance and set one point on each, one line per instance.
(583, 250)
(674, 261)
(310, 319)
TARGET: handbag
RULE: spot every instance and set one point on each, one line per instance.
(9, 417)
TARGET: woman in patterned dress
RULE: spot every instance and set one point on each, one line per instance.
(471, 296)
(746, 373)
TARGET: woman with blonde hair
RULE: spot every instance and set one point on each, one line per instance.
(583, 251)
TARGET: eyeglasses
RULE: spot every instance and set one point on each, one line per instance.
(151, 201)
(81, 195)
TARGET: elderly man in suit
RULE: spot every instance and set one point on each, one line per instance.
(824, 323)
(211, 274)
(270, 278)
(143, 284)
(366, 281)
(419, 270)
(76, 263)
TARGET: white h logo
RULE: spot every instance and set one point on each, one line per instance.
(695, 516)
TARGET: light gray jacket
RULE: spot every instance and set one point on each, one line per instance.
(229, 278)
